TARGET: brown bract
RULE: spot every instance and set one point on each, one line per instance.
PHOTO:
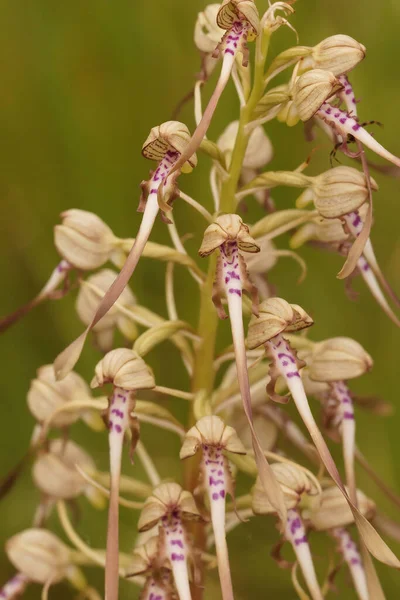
(334, 510)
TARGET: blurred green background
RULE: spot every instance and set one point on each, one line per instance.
(82, 84)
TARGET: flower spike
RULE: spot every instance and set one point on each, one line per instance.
(214, 437)
(230, 235)
(128, 373)
(165, 144)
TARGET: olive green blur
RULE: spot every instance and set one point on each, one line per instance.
(82, 83)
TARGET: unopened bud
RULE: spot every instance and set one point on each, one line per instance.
(211, 431)
(125, 369)
(90, 294)
(334, 510)
(338, 359)
(84, 240)
(231, 11)
(259, 150)
(56, 475)
(227, 228)
(166, 499)
(147, 557)
(171, 136)
(337, 192)
(39, 555)
(312, 89)
(276, 316)
(207, 34)
(299, 486)
(338, 54)
(46, 395)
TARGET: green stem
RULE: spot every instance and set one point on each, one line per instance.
(203, 376)
(229, 186)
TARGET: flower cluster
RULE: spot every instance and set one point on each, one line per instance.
(238, 426)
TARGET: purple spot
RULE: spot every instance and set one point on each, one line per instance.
(215, 496)
(222, 493)
(118, 428)
(337, 115)
(283, 355)
(212, 481)
(227, 279)
(343, 121)
(348, 91)
(233, 275)
(235, 291)
(302, 540)
(110, 425)
(356, 127)
(229, 51)
(328, 111)
(355, 561)
(220, 473)
(348, 415)
(177, 543)
(177, 556)
(296, 524)
(293, 374)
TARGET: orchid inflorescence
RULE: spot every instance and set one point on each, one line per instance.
(182, 530)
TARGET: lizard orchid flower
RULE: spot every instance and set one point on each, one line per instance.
(150, 560)
(311, 94)
(170, 506)
(241, 22)
(164, 144)
(300, 489)
(334, 361)
(128, 373)
(214, 438)
(231, 236)
(334, 516)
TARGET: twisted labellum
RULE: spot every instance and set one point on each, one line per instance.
(285, 362)
(177, 552)
(295, 533)
(350, 553)
(68, 358)
(14, 587)
(215, 471)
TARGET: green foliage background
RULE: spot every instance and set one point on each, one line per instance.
(82, 83)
